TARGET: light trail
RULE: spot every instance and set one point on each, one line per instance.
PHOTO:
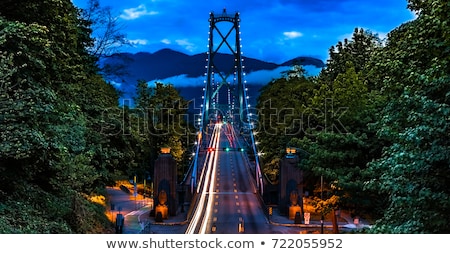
(212, 181)
(205, 187)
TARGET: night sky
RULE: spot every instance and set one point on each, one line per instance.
(271, 30)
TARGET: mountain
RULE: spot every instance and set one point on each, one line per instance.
(187, 69)
(167, 63)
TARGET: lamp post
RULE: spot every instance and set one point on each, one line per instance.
(135, 192)
(321, 197)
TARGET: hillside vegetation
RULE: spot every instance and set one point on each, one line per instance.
(375, 124)
(63, 136)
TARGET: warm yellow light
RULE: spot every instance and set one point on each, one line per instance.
(165, 150)
(290, 150)
(99, 199)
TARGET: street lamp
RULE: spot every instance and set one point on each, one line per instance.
(321, 197)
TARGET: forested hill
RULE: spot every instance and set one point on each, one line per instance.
(374, 128)
(167, 63)
(61, 128)
(187, 70)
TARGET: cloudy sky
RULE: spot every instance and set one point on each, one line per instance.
(271, 30)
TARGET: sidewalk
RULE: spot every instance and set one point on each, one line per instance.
(136, 221)
(140, 222)
(344, 220)
(135, 209)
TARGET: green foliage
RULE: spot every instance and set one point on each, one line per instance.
(327, 121)
(63, 135)
(162, 112)
(51, 105)
(388, 151)
(341, 160)
(337, 105)
(413, 171)
(325, 207)
(21, 217)
(356, 52)
(282, 106)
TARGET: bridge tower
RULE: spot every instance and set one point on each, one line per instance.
(229, 75)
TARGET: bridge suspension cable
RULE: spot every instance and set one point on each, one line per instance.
(211, 107)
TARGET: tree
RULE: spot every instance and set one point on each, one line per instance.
(281, 109)
(51, 103)
(413, 171)
(106, 30)
(357, 52)
(163, 113)
(340, 144)
(107, 37)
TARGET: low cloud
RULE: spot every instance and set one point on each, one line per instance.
(261, 77)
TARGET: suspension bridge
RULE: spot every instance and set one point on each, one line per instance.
(224, 185)
(225, 178)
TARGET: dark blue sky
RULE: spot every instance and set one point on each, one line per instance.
(272, 30)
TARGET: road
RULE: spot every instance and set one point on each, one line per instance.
(228, 201)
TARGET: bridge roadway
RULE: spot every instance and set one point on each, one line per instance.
(227, 198)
